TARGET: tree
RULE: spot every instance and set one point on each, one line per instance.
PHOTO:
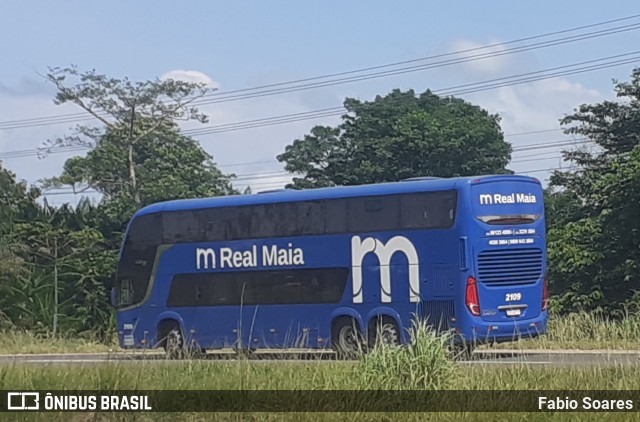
(168, 166)
(137, 156)
(131, 112)
(595, 255)
(17, 203)
(398, 136)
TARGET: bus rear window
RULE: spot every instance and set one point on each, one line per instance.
(507, 220)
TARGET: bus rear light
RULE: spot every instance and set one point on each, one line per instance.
(545, 294)
(472, 300)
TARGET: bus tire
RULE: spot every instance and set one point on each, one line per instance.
(384, 332)
(172, 339)
(346, 338)
(244, 353)
(461, 349)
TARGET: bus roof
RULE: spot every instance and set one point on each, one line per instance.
(293, 195)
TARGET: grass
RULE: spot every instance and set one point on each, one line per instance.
(205, 375)
(576, 331)
(585, 331)
(12, 342)
(424, 365)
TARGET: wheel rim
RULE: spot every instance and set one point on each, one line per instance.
(174, 342)
(348, 338)
(388, 335)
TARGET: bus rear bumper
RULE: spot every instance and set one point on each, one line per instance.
(498, 332)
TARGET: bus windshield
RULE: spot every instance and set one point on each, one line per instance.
(507, 202)
(506, 220)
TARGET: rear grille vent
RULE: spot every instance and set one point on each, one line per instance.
(510, 266)
(437, 313)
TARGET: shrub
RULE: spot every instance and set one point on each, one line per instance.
(424, 364)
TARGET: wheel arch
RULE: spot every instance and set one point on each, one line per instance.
(386, 312)
(165, 321)
(347, 313)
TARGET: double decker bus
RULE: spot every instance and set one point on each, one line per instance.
(336, 267)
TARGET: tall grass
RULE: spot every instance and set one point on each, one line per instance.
(578, 330)
(586, 330)
(28, 342)
(424, 364)
(594, 327)
(323, 375)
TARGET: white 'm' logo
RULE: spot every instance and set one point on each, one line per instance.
(359, 249)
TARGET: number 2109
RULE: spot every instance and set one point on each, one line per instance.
(511, 297)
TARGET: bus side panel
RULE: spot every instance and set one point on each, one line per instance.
(419, 261)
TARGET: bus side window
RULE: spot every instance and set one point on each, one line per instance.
(241, 226)
(181, 226)
(264, 220)
(374, 213)
(310, 216)
(125, 295)
(146, 230)
(428, 210)
(335, 211)
(214, 224)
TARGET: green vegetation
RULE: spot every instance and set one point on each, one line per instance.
(586, 331)
(12, 342)
(325, 375)
(398, 136)
(57, 263)
(424, 365)
(593, 217)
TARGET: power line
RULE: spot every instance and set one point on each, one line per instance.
(541, 170)
(454, 90)
(411, 69)
(536, 154)
(270, 184)
(306, 116)
(577, 141)
(282, 174)
(550, 76)
(437, 56)
(536, 159)
(242, 93)
(513, 135)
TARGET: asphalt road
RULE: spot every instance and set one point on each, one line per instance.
(484, 357)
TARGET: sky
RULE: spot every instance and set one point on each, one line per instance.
(241, 45)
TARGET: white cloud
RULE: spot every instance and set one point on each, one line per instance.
(537, 105)
(251, 153)
(191, 76)
(532, 107)
(481, 62)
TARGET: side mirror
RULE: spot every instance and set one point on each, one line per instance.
(114, 297)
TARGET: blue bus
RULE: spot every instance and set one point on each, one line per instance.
(336, 267)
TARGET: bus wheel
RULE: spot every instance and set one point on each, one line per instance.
(386, 333)
(174, 344)
(244, 352)
(346, 338)
(460, 349)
